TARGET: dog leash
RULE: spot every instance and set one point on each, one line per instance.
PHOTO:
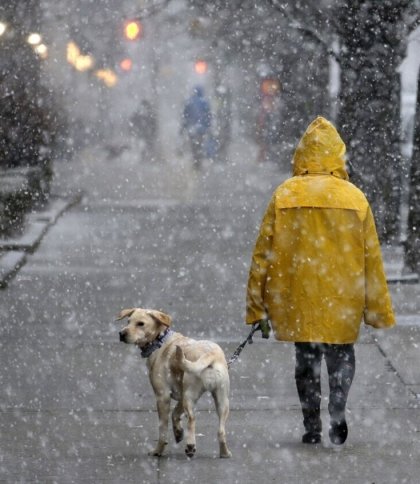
(239, 349)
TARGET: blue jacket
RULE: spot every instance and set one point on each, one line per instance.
(197, 114)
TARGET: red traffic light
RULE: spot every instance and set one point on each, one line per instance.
(132, 29)
(201, 66)
(126, 64)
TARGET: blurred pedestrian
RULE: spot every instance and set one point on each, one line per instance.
(145, 124)
(316, 272)
(196, 122)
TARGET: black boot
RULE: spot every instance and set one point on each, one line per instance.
(341, 366)
(311, 438)
(313, 426)
(308, 383)
(338, 431)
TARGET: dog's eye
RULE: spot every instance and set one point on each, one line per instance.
(140, 324)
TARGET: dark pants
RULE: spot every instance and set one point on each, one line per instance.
(197, 148)
(341, 367)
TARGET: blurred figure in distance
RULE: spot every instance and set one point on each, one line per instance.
(196, 123)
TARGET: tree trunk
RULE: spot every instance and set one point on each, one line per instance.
(412, 246)
(371, 38)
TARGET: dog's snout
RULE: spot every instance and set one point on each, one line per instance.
(123, 335)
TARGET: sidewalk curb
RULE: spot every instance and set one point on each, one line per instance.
(28, 240)
(37, 226)
(10, 263)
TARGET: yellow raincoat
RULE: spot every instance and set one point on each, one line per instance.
(316, 268)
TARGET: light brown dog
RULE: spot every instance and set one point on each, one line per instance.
(180, 368)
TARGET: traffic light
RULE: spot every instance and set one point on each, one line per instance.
(133, 29)
(201, 66)
(126, 64)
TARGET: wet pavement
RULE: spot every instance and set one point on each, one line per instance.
(76, 404)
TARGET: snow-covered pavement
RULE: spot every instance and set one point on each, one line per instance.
(76, 404)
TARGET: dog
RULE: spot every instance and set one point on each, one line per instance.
(180, 368)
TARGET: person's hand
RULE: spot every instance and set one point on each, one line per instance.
(264, 326)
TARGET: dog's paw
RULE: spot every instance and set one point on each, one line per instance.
(190, 450)
(158, 451)
(179, 435)
(226, 455)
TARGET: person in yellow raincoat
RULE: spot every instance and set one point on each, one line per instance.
(317, 272)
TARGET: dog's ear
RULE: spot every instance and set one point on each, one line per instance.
(162, 318)
(125, 313)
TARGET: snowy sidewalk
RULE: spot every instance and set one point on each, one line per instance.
(77, 405)
(100, 429)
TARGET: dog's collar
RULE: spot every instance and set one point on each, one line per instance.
(148, 349)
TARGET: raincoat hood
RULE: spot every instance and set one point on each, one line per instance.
(320, 151)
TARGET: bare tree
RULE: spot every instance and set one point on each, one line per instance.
(372, 38)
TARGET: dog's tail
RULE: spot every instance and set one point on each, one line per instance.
(194, 367)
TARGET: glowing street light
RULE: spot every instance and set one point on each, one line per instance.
(80, 62)
(132, 29)
(108, 76)
(41, 50)
(84, 63)
(34, 39)
(73, 53)
(3, 28)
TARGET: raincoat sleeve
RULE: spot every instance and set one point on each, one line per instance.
(255, 308)
(378, 308)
